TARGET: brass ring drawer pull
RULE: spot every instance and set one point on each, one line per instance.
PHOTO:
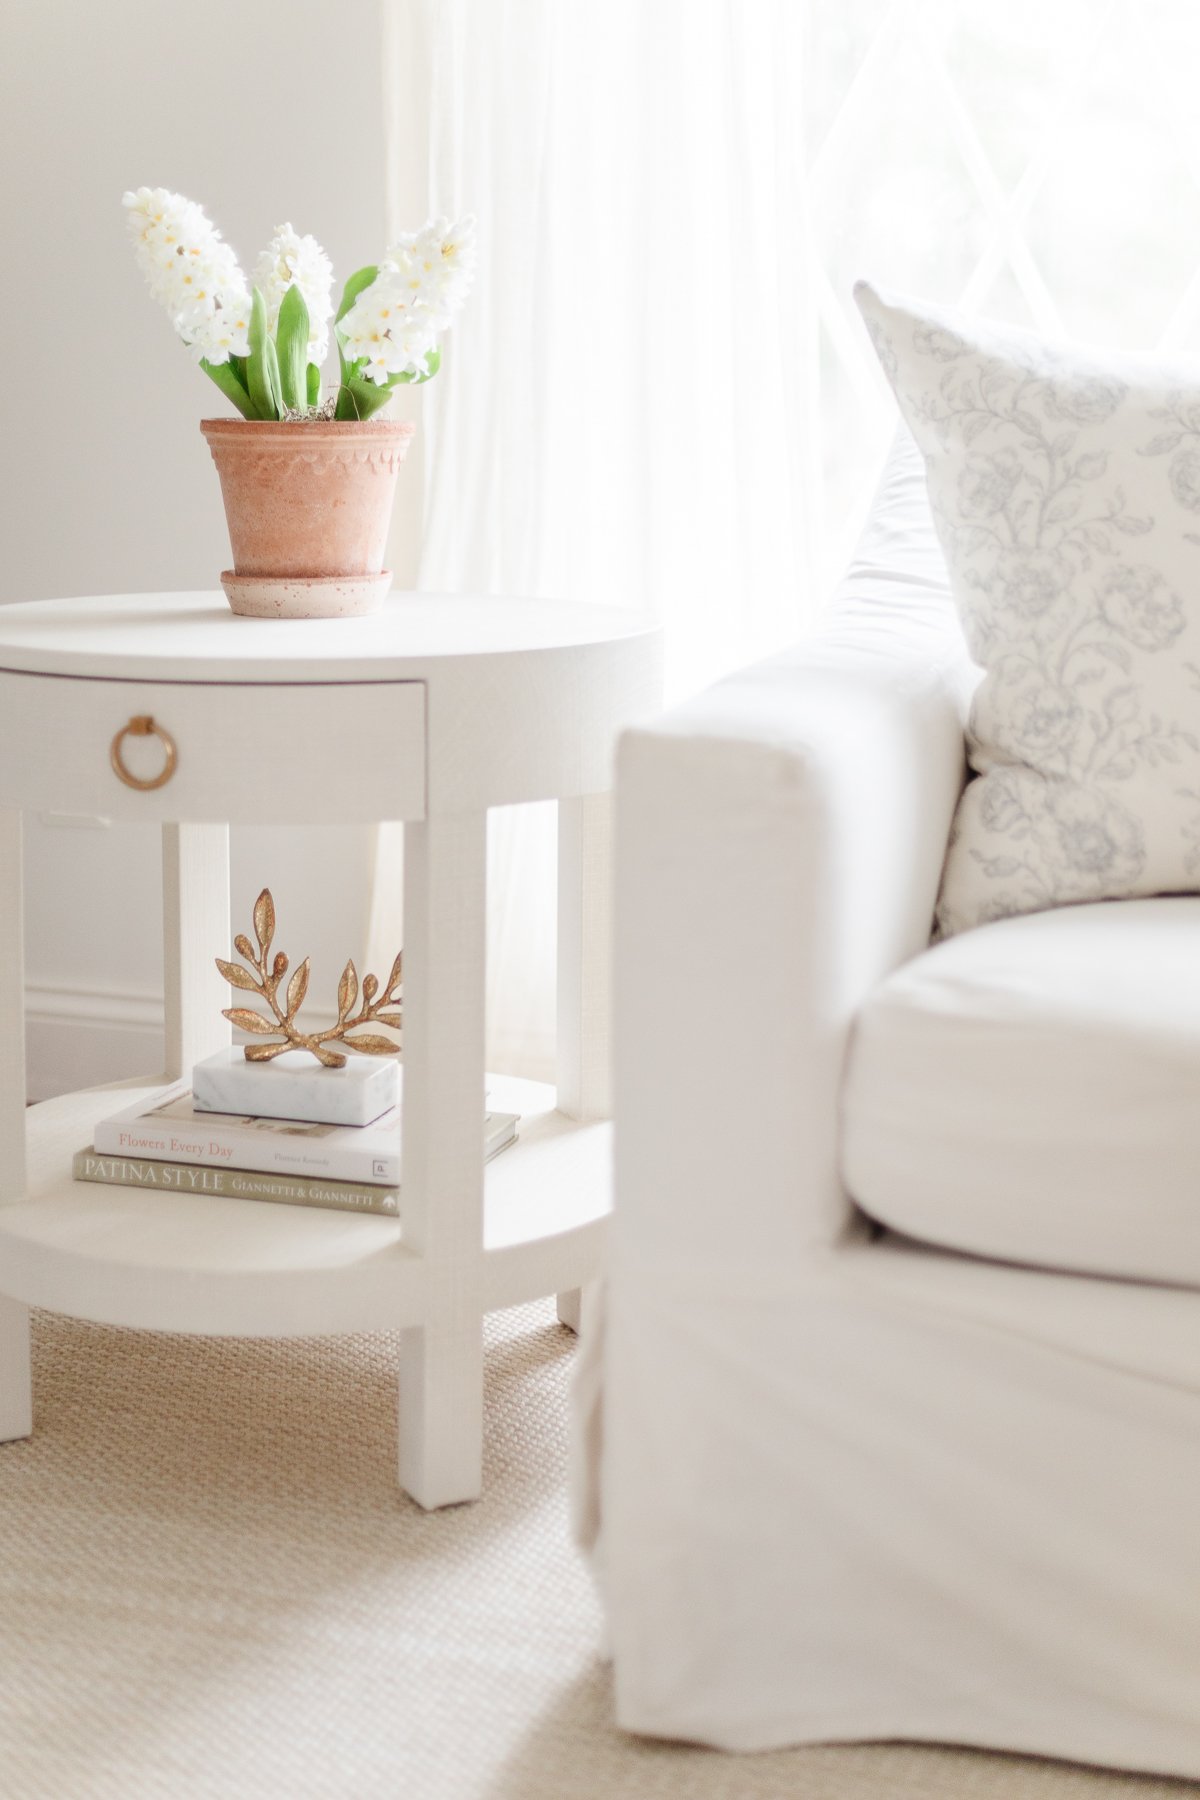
(143, 726)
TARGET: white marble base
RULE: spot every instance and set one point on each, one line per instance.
(295, 1086)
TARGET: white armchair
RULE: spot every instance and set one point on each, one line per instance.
(870, 1453)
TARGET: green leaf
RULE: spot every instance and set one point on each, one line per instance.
(433, 362)
(291, 344)
(313, 385)
(226, 378)
(361, 278)
(262, 367)
(359, 398)
(347, 407)
(276, 387)
(242, 364)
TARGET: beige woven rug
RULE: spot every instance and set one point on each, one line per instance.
(210, 1586)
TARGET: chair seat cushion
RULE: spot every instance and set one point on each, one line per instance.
(1031, 1091)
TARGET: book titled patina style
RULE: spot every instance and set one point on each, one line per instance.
(255, 1184)
(237, 1184)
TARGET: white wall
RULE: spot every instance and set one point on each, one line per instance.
(262, 110)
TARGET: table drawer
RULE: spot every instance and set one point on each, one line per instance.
(287, 753)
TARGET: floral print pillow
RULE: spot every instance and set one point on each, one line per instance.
(1065, 486)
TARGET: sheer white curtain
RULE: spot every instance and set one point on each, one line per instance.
(614, 417)
(659, 395)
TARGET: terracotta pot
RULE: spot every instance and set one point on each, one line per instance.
(308, 508)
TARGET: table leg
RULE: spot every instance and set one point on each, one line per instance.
(584, 971)
(585, 956)
(441, 1186)
(16, 1385)
(195, 930)
(570, 1307)
(16, 1403)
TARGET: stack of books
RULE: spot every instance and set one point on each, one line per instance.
(168, 1143)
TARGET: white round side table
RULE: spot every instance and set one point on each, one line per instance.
(429, 713)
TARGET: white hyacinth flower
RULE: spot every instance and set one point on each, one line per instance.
(386, 329)
(290, 258)
(192, 271)
(395, 323)
(437, 265)
(449, 250)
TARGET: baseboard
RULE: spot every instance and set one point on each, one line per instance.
(83, 1037)
(77, 1038)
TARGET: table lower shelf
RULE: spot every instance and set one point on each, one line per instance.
(224, 1267)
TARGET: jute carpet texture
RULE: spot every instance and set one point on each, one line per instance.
(210, 1585)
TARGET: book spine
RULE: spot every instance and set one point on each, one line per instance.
(238, 1184)
(263, 1152)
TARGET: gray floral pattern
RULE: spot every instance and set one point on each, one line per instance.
(1066, 490)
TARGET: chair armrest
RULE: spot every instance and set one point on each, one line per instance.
(779, 845)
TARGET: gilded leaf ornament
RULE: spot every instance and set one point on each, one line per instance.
(376, 1005)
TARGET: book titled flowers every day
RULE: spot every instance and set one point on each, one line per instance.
(170, 1129)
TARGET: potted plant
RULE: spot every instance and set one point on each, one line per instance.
(307, 479)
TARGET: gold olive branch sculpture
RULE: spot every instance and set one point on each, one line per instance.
(377, 1006)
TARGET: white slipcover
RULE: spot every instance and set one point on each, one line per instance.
(838, 1485)
(1031, 1089)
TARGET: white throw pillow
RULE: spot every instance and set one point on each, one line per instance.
(1065, 485)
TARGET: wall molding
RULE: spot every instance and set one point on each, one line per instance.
(83, 1035)
(86, 1003)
